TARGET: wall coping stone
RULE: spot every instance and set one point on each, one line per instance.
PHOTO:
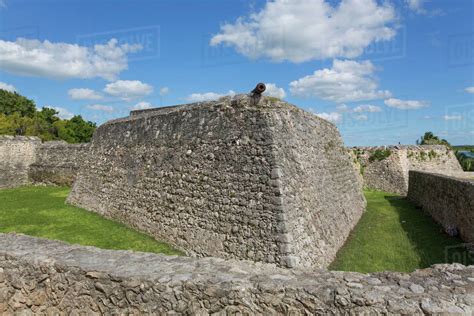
(218, 285)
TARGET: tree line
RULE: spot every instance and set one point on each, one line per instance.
(19, 116)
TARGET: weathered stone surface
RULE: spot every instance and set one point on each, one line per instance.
(391, 173)
(26, 160)
(50, 277)
(57, 162)
(16, 155)
(449, 200)
(231, 178)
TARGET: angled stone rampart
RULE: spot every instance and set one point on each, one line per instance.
(390, 174)
(234, 178)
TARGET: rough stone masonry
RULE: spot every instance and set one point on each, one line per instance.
(46, 277)
(449, 200)
(391, 173)
(26, 160)
(233, 178)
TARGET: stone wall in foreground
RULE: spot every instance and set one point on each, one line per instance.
(26, 160)
(449, 200)
(50, 277)
(231, 178)
(391, 173)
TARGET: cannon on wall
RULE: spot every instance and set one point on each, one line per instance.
(259, 89)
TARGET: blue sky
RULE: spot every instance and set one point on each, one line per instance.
(383, 71)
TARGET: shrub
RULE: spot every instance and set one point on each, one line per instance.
(432, 154)
(379, 155)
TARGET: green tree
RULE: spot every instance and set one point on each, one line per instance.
(431, 139)
(18, 116)
(83, 130)
(12, 102)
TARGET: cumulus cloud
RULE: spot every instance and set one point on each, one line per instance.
(8, 87)
(207, 96)
(346, 81)
(406, 104)
(62, 60)
(128, 89)
(469, 89)
(164, 91)
(303, 30)
(331, 117)
(452, 117)
(274, 91)
(100, 107)
(84, 94)
(62, 112)
(367, 108)
(141, 106)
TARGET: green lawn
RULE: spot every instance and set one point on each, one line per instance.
(41, 211)
(394, 235)
(391, 235)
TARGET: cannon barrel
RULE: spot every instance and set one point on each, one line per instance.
(259, 89)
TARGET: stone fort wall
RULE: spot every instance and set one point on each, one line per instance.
(449, 200)
(391, 173)
(49, 277)
(57, 162)
(26, 160)
(16, 156)
(231, 178)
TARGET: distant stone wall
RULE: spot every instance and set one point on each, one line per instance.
(26, 160)
(391, 173)
(48, 277)
(450, 201)
(16, 155)
(57, 162)
(233, 179)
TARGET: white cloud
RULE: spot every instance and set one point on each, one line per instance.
(62, 60)
(128, 89)
(207, 96)
(8, 87)
(100, 107)
(84, 94)
(406, 104)
(62, 112)
(141, 106)
(274, 91)
(303, 30)
(361, 117)
(346, 81)
(416, 5)
(3, 4)
(452, 117)
(164, 91)
(469, 89)
(331, 117)
(367, 108)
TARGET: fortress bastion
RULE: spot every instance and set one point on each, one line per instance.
(240, 178)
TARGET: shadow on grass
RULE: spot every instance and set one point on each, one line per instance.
(428, 238)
